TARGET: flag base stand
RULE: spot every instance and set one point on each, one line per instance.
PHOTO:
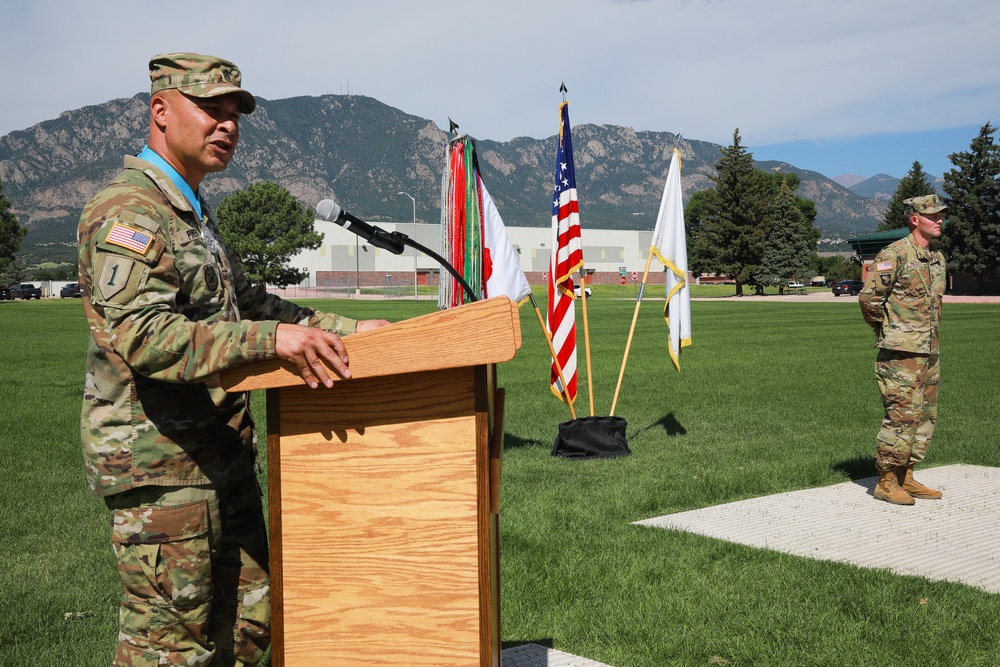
(592, 438)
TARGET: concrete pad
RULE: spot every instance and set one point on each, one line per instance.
(953, 539)
(534, 655)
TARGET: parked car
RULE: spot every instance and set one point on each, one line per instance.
(5, 293)
(852, 287)
(795, 284)
(71, 290)
(576, 291)
(25, 291)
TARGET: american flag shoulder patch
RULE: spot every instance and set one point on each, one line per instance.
(130, 238)
(883, 266)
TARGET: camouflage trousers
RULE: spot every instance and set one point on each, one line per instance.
(909, 386)
(193, 563)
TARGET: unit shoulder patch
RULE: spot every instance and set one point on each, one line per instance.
(212, 277)
(114, 276)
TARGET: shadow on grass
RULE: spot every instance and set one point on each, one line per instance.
(668, 423)
(514, 442)
(547, 643)
(860, 469)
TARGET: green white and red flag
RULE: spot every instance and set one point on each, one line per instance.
(474, 238)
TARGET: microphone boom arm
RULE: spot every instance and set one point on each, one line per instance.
(451, 269)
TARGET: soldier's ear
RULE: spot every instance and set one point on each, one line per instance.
(158, 106)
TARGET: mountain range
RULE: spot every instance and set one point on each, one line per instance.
(367, 156)
(880, 186)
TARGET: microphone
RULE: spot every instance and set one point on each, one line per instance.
(330, 211)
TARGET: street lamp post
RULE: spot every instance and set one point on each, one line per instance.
(414, 232)
(357, 265)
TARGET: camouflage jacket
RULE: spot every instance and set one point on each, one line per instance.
(901, 299)
(168, 308)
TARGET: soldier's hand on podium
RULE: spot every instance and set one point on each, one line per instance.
(308, 348)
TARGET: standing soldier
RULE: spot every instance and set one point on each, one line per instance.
(173, 454)
(901, 300)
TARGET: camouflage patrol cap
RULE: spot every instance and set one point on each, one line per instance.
(199, 76)
(927, 204)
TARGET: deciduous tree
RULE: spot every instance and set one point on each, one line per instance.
(14, 271)
(265, 227)
(11, 233)
(835, 268)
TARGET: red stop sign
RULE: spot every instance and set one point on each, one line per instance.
(623, 280)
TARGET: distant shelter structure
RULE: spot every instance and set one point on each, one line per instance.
(868, 245)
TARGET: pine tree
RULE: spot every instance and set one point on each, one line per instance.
(790, 245)
(729, 238)
(916, 183)
(775, 179)
(264, 226)
(971, 239)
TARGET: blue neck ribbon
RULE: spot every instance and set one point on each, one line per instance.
(151, 156)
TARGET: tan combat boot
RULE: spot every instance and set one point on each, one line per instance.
(888, 489)
(904, 475)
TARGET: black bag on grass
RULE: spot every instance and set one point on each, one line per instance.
(592, 438)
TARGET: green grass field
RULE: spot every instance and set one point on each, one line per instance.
(772, 397)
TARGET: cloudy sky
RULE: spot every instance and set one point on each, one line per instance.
(837, 86)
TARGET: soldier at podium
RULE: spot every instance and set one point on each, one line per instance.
(171, 453)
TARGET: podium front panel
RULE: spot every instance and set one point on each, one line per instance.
(380, 527)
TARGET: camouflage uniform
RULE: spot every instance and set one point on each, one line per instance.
(193, 565)
(172, 453)
(901, 300)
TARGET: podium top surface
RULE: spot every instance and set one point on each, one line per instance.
(483, 332)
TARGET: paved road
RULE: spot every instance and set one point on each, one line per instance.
(827, 296)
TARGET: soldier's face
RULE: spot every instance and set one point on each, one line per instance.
(201, 133)
(926, 226)
(929, 224)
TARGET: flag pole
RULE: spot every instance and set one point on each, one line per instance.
(586, 338)
(583, 296)
(675, 200)
(555, 357)
(631, 332)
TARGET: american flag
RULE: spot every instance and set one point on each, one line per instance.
(566, 258)
(130, 237)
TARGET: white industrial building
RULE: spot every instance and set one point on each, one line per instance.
(344, 260)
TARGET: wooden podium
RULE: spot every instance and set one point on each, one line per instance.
(384, 495)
